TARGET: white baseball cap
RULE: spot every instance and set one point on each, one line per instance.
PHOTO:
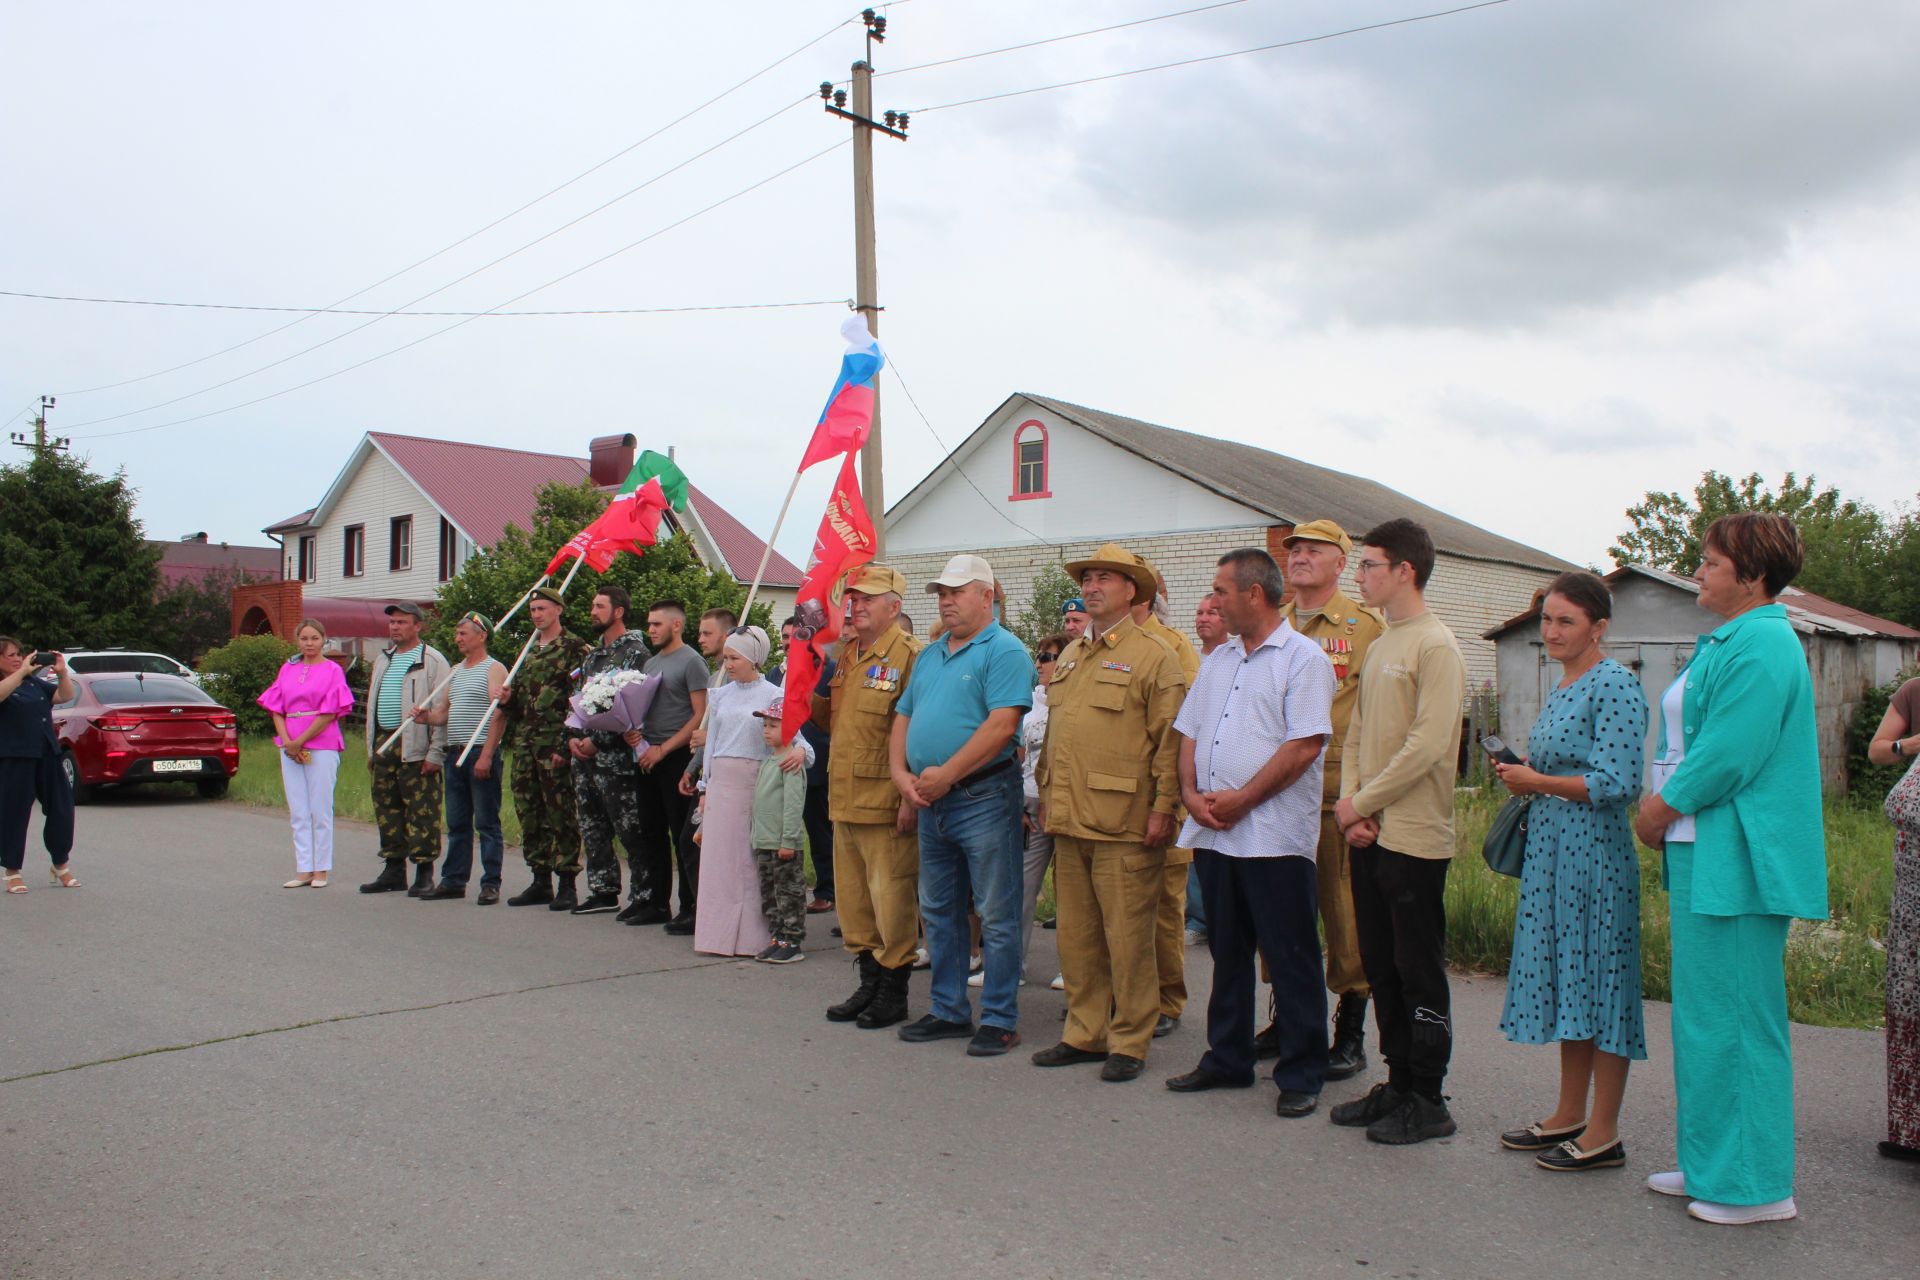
(961, 570)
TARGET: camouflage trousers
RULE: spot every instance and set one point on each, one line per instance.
(783, 894)
(608, 800)
(543, 799)
(406, 808)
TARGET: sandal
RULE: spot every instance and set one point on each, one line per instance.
(14, 883)
(64, 877)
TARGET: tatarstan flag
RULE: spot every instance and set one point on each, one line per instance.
(673, 481)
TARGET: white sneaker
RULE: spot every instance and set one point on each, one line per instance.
(1739, 1215)
(976, 964)
(977, 979)
(1059, 982)
(1668, 1184)
(920, 960)
(1196, 938)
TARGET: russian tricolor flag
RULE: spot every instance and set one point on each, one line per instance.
(848, 417)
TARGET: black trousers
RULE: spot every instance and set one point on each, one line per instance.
(1269, 905)
(820, 841)
(25, 782)
(663, 832)
(1400, 915)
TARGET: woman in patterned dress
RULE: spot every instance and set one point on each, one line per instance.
(1575, 973)
(1893, 742)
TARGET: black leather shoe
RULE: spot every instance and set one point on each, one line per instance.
(1200, 1079)
(442, 891)
(422, 880)
(928, 1028)
(392, 877)
(648, 915)
(1065, 1055)
(488, 897)
(680, 926)
(1293, 1104)
(1569, 1158)
(535, 894)
(1120, 1068)
(1165, 1026)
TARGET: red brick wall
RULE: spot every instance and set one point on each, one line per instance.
(279, 602)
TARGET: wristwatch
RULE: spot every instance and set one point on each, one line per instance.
(1898, 750)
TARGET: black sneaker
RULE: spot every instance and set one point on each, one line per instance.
(931, 1028)
(781, 953)
(680, 926)
(991, 1042)
(1363, 1111)
(595, 904)
(646, 915)
(1416, 1119)
(631, 910)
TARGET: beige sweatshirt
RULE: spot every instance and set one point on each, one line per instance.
(1404, 740)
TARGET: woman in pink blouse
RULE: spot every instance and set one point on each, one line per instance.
(307, 699)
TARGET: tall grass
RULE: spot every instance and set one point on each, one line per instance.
(1836, 969)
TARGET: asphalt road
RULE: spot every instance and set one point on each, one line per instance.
(203, 1075)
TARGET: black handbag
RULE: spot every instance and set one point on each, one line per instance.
(1505, 848)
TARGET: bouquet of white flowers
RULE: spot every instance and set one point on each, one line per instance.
(613, 702)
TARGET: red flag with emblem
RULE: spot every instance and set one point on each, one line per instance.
(844, 542)
(631, 522)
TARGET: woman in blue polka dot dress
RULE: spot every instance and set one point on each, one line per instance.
(1575, 973)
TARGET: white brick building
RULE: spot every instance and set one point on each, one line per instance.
(1042, 482)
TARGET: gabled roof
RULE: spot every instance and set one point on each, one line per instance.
(738, 545)
(300, 521)
(182, 560)
(1292, 491)
(1806, 611)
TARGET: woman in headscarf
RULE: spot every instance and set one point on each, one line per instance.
(727, 919)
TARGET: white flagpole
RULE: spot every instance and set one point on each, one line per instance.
(442, 686)
(493, 704)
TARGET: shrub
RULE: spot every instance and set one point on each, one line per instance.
(238, 672)
(1868, 783)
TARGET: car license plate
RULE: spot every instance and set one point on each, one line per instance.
(176, 766)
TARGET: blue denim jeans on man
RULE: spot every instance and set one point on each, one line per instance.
(970, 844)
(473, 803)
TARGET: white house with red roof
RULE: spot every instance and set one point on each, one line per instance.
(405, 512)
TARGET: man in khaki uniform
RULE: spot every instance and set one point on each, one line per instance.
(1109, 784)
(876, 856)
(1316, 557)
(1170, 919)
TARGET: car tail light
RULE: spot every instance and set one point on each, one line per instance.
(222, 722)
(115, 725)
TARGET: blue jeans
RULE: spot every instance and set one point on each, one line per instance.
(1196, 904)
(970, 844)
(472, 803)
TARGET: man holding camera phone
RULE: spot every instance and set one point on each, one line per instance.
(30, 683)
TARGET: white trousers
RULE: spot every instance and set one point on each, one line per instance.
(309, 789)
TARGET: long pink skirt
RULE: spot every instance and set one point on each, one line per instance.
(727, 919)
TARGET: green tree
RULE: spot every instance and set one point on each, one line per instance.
(1041, 616)
(238, 672)
(195, 615)
(1849, 545)
(492, 580)
(75, 568)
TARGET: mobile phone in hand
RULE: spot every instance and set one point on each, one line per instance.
(45, 659)
(1500, 751)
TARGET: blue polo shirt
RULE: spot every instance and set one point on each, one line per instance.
(950, 693)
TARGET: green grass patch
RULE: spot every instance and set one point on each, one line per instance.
(1836, 969)
(258, 783)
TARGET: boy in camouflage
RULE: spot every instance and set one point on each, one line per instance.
(779, 833)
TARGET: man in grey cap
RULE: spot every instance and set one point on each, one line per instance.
(406, 781)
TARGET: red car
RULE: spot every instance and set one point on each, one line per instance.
(128, 727)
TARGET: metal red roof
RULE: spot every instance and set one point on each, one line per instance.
(291, 522)
(180, 561)
(350, 618)
(482, 488)
(740, 546)
(1845, 613)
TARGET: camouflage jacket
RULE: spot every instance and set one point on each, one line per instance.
(628, 653)
(537, 711)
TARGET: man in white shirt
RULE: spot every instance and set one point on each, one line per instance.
(1253, 732)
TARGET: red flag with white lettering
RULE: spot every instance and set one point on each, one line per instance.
(844, 542)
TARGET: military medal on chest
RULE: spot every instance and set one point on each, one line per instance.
(1339, 651)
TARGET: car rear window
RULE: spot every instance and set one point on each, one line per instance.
(161, 689)
(148, 662)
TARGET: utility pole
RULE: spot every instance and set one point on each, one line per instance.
(38, 442)
(866, 271)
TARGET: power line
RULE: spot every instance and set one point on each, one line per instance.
(999, 508)
(1034, 44)
(339, 311)
(679, 222)
(505, 217)
(1215, 57)
(665, 173)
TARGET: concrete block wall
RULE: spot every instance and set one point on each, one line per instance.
(1471, 596)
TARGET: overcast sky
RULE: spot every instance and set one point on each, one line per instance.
(1523, 263)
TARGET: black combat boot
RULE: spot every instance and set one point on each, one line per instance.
(1267, 1043)
(854, 1005)
(541, 890)
(889, 1003)
(422, 879)
(1348, 1056)
(392, 877)
(563, 899)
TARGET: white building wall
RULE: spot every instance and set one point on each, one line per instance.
(375, 495)
(1098, 492)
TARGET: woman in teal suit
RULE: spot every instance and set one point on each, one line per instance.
(1737, 809)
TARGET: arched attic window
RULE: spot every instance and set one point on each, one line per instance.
(1030, 462)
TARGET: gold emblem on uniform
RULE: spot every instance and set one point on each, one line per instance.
(882, 677)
